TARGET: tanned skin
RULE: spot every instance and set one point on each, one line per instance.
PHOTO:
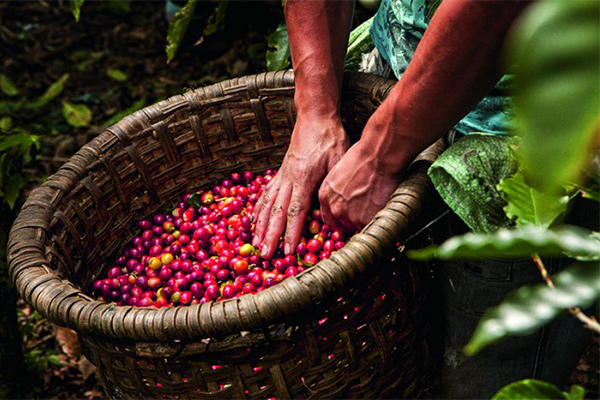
(455, 65)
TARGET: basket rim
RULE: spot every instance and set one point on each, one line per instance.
(63, 303)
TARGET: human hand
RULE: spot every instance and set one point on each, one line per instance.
(317, 144)
(356, 189)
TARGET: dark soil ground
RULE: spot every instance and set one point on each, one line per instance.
(40, 42)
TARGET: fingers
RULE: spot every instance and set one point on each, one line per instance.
(262, 210)
(277, 222)
(296, 216)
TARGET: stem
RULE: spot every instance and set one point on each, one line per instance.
(588, 322)
(543, 271)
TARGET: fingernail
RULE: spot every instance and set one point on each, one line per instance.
(287, 249)
(265, 251)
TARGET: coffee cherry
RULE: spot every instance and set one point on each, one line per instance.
(192, 255)
(154, 263)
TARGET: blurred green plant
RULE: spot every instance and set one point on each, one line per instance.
(17, 150)
(534, 389)
(556, 51)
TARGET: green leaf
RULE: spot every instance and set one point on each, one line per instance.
(195, 200)
(116, 74)
(576, 393)
(77, 115)
(359, 42)
(76, 8)
(5, 123)
(528, 389)
(50, 94)
(178, 27)
(12, 188)
(9, 107)
(530, 307)
(18, 139)
(7, 86)
(120, 115)
(556, 49)
(507, 243)
(529, 206)
(53, 359)
(278, 55)
(214, 21)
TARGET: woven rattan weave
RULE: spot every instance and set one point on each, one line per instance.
(352, 326)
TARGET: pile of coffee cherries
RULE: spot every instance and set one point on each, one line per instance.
(201, 251)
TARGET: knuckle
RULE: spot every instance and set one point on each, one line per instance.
(277, 208)
(294, 209)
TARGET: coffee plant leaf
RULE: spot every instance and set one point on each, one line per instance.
(528, 206)
(278, 55)
(217, 17)
(528, 389)
(555, 49)
(76, 8)
(576, 393)
(530, 307)
(506, 243)
(53, 91)
(77, 115)
(177, 28)
(12, 187)
(7, 86)
(116, 74)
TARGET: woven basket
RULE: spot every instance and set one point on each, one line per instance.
(352, 326)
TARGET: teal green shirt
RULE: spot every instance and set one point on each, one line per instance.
(397, 29)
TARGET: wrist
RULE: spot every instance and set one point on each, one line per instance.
(388, 142)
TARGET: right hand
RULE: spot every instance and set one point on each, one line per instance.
(316, 145)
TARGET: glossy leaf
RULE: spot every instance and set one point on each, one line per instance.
(528, 389)
(7, 86)
(556, 49)
(214, 21)
(576, 393)
(530, 307)
(278, 55)
(528, 206)
(178, 26)
(50, 94)
(76, 8)
(77, 115)
(507, 243)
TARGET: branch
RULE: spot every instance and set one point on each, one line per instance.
(588, 322)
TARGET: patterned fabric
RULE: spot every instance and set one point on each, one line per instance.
(466, 175)
(397, 29)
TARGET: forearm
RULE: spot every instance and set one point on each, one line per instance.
(456, 64)
(318, 32)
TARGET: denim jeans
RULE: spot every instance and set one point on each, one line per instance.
(470, 287)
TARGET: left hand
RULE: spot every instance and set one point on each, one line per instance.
(356, 189)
